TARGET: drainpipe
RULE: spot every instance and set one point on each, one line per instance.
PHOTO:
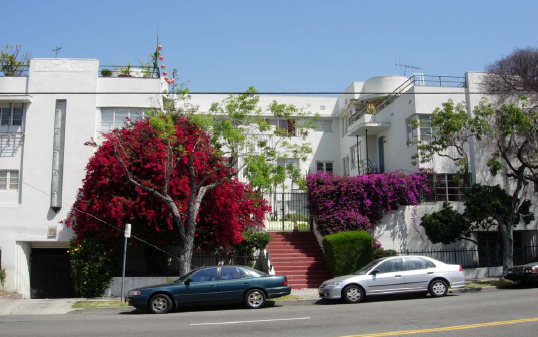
(367, 160)
(357, 154)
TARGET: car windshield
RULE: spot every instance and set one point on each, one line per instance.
(364, 270)
(186, 276)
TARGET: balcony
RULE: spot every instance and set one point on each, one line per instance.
(365, 112)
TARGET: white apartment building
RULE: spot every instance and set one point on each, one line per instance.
(48, 115)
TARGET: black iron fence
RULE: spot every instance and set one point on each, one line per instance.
(165, 265)
(478, 257)
(289, 212)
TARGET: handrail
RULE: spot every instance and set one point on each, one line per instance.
(415, 80)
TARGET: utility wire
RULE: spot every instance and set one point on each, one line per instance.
(103, 221)
(255, 93)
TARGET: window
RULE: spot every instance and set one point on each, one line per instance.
(412, 133)
(416, 263)
(446, 187)
(324, 125)
(205, 275)
(355, 152)
(345, 163)
(419, 129)
(425, 128)
(324, 166)
(11, 115)
(231, 273)
(9, 180)
(288, 125)
(322, 107)
(289, 162)
(112, 118)
(391, 266)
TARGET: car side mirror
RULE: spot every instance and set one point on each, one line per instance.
(374, 272)
(188, 281)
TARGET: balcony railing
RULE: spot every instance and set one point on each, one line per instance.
(129, 71)
(415, 80)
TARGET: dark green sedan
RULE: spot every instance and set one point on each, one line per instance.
(208, 285)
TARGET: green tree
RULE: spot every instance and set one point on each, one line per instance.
(242, 140)
(510, 134)
(12, 63)
(484, 205)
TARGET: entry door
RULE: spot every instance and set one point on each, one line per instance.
(389, 279)
(233, 283)
(202, 287)
(381, 148)
(50, 273)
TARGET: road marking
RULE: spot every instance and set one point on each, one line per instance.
(257, 321)
(448, 328)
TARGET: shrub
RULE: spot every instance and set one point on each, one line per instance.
(91, 266)
(346, 252)
(2, 277)
(356, 203)
(106, 72)
(296, 217)
(252, 241)
(379, 253)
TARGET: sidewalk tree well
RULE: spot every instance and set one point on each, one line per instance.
(356, 203)
(173, 175)
(509, 137)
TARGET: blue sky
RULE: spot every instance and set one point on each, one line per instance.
(277, 45)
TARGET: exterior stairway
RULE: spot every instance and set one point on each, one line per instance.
(298, 256)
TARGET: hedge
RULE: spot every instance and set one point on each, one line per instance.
(346, 252)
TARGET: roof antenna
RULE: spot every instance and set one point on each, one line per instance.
(57, 49)
(407, 66)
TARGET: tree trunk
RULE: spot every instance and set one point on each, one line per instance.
(508, 247)
(185, 258)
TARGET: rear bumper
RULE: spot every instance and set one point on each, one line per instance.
(278, 292)
(458, 284)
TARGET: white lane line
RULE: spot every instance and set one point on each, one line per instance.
(257, 321)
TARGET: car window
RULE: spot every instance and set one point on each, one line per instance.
(254, 272)
(391, 266)
(416, 263)
(367, 268)
(231, 273)
(204, 275)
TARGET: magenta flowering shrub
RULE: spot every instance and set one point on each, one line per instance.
(356, 203)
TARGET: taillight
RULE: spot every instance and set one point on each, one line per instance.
(461, 268)
(285, 282)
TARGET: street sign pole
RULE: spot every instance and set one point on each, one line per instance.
(127, 234)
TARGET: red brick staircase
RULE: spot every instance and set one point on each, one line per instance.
(298, 256)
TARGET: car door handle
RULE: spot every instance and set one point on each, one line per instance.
(398, 276)
(211, 285)
(430, 272)
(245, 282)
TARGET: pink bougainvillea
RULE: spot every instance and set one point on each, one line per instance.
(356, 203)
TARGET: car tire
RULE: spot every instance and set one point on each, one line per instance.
(438, 288)
(352, 294)
(160, 304)
(255, 299)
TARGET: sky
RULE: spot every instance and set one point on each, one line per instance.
(275, 45)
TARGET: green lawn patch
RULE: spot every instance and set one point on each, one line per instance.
(98, 304)
(489, 283)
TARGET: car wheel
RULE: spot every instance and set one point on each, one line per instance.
(352, 294)
(160, 304)
(438, 288)
(255, 299)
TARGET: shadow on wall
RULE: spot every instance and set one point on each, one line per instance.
(394, 224)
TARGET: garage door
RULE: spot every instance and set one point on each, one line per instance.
(50, 275)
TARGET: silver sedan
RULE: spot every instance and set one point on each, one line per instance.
(397, 274)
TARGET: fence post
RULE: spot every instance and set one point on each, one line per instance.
(455, 257)
(524, 255)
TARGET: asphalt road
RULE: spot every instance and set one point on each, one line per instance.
(511, 312)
